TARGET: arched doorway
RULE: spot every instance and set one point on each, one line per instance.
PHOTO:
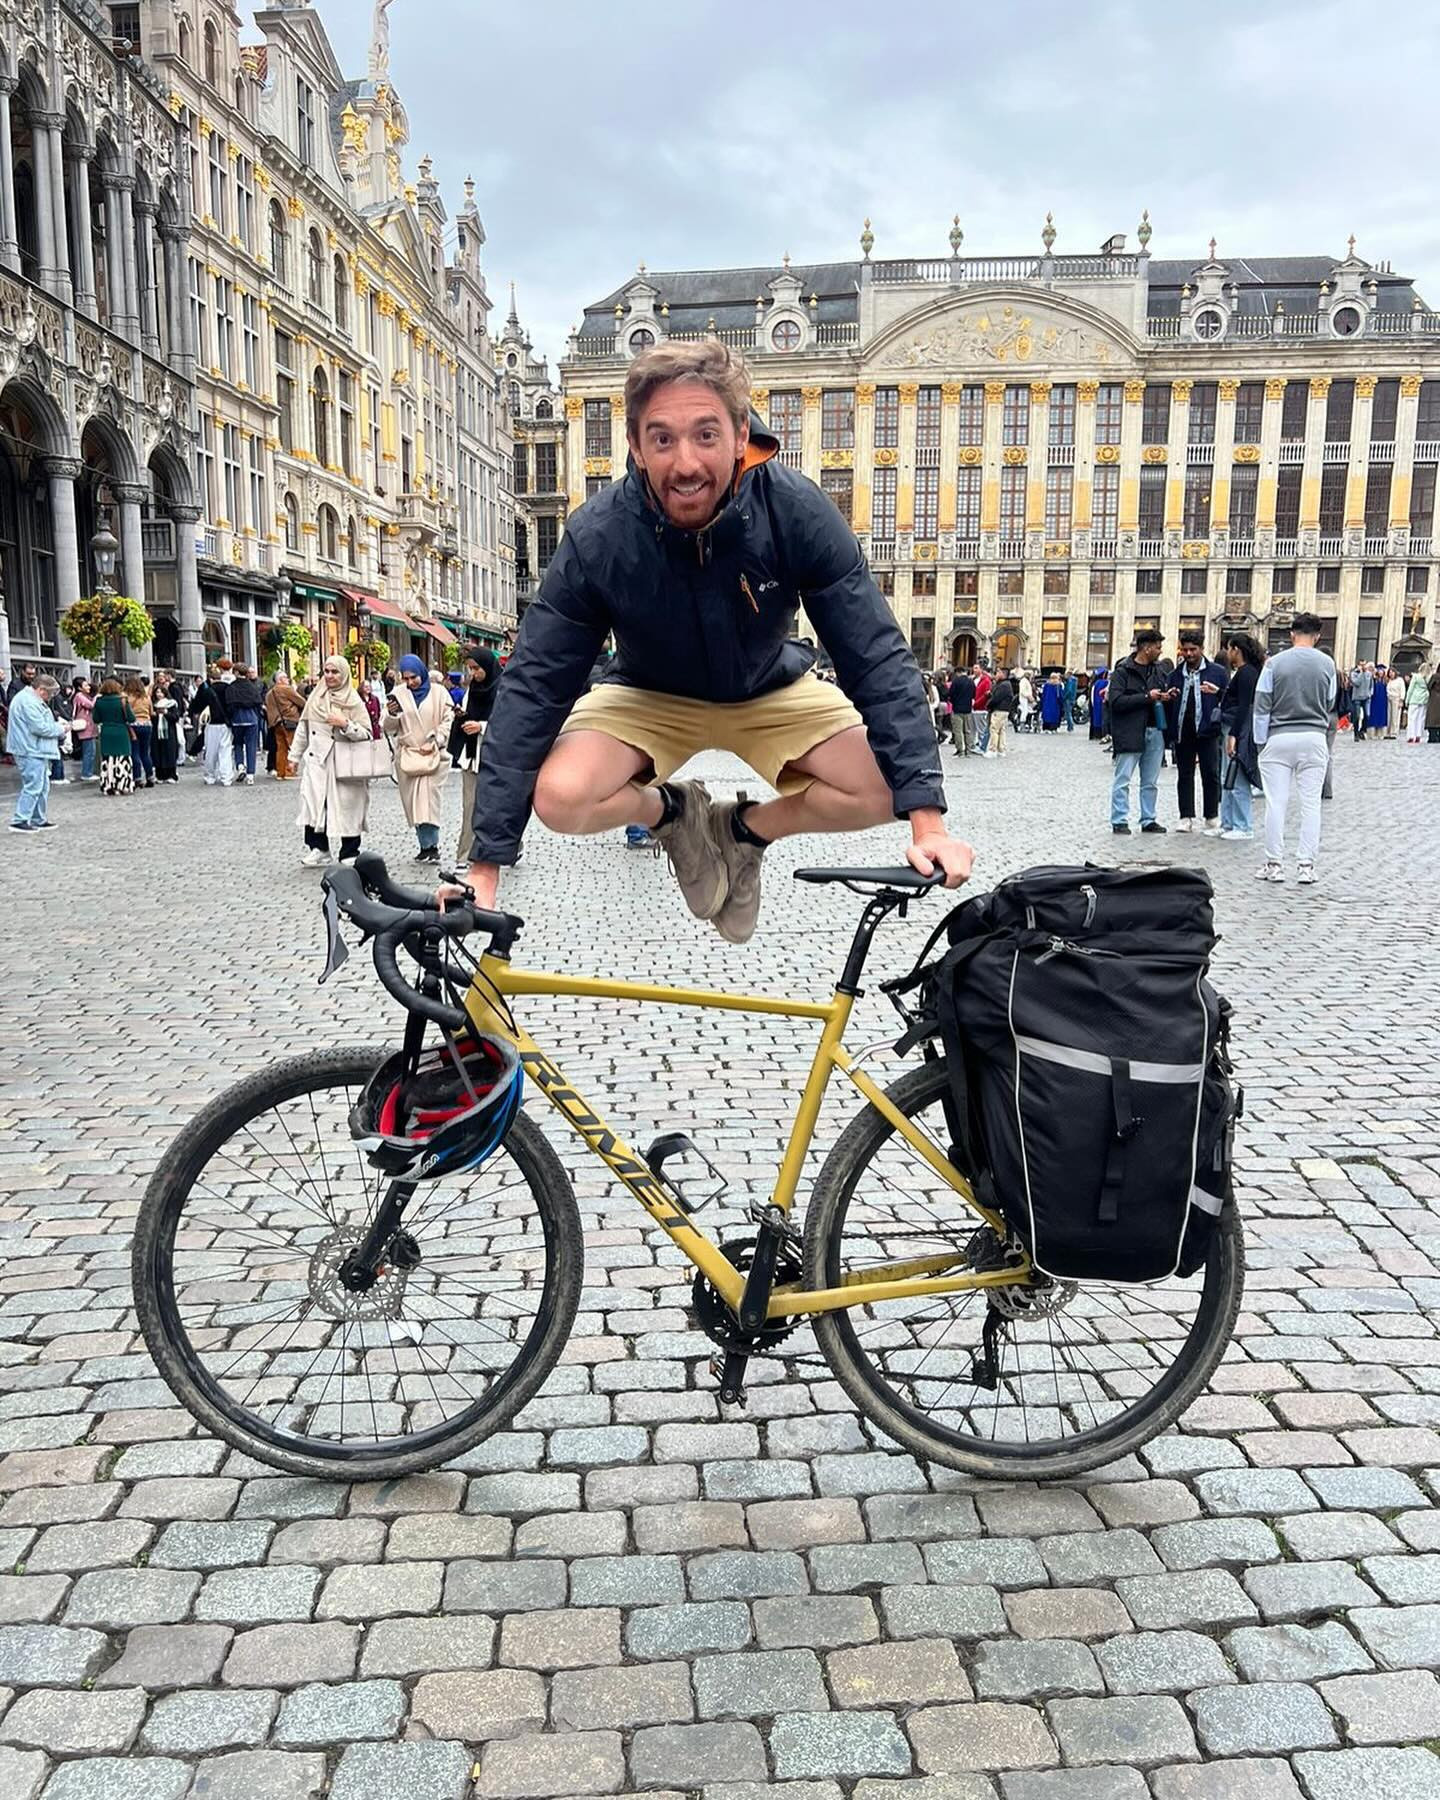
(964, 651)
(1008, 647)
(30, 430)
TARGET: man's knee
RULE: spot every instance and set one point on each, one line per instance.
(564, 796)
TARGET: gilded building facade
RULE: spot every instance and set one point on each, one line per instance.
(350, 450)
(95, 368)
(537, 420)
(1041, 453)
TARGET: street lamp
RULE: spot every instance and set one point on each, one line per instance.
(105, 552)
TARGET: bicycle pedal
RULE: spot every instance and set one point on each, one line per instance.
(729, 1371)
(672, 1144)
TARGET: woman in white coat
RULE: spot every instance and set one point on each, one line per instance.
(418, 715)
(334, 710)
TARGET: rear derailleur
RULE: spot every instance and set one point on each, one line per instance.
(1039, 1296)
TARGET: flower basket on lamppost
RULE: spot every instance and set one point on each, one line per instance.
(94, 623)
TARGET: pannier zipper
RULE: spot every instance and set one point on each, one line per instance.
(1062, 947)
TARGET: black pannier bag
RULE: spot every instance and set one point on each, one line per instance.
(1090, 1096)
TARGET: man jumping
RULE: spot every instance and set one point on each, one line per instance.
(696, 562)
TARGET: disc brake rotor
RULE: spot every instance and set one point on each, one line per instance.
(330, 1295)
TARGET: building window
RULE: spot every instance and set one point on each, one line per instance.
(593, 485)
(1099, 642)
(922, 641)
(927, 418)
(250, 341)
(641, 340)
(329, 523)
(1155, 414)
(1427, 414)
(1372, 579)
(1244, 491)
(1059, 492)
(1062, 413)
(520, 463)
(352, 557)
(285, 388)
(1194, 581)
(1147, 581)
(342, 294)
(212, 55)
(1282, 581)
(219, 182)
(972, 416)
(1197, 503)
(305, 122)
(315, 264)
(1015, 418)
(1052, 644)
(346, 413)
(1287, 501)
(1334, 478)
(1249, 411)
(837, 419)
(279, 245)
(1152, 502)
(1384, 410)
(547, 528)
(967, 503)
(245, 202)
(785, 335)
(1367, 638)
(224, 329)
(1417, 579)
(199, 312)
(927, 503)
(1422, 500)
(1377, 501)
(967, 583)
(885, 581)
(597, 427)
(259, 509)
(1102, 581)
(1204, 399)
(233, 493)
(839, 485)
(1010, 582)
(1012, 502)
(1327, 579)
(1055, 581)
(1238, 581)
(1105, 503)
(923, 584)
(787, 419)
(1295, 412)
(882, 504)
(205, 464)
(887, 418)
(546, 469)
(1109, 412)
(320, 418)
(292, 523)
(1339, 412)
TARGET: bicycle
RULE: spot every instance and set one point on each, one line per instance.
(330, 1323)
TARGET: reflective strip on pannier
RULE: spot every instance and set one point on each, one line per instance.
(1176, 1074)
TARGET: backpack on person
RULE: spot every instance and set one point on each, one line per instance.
(1090, 1098)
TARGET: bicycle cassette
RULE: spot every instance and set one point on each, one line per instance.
(720, 1324)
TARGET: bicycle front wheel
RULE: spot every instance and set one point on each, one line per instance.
(1067, 1377)
(238, 1247)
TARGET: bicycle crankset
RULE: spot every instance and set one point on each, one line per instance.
(720, 1324)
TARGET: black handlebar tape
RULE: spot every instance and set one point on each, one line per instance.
(452, 1018)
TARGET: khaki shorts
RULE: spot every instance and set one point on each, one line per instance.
(770, 733)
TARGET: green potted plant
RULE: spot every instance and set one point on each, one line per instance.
(92, 624)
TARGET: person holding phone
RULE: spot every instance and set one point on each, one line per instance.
(1193, 729)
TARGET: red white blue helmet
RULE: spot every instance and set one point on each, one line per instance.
(445, 1118)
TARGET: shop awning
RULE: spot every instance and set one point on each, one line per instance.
(379, 609)
(442, 634)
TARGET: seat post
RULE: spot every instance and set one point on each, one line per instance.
(876, 909)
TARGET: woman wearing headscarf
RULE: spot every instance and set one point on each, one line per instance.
(334, 710)
(417, 719)
(1099, 681)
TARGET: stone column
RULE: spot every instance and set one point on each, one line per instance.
(53, 130)
(1178, 449)
(575, 450)
(864, 464)
(191, 649)
(1358, 479)
(949, 452)
(1269, 479)
(1220, 476)
(1038, 447)
(84, 225)
(810, 432)
(114, 267)
(44, 210)
(1314, 460)
(9, 238)
(149, 319)
(905, 479)
(178, 349)
(619, 445)
(990, 463)
(130, 311)
(1402, 480)
(1130, 458)
(63, 473)
(132, 555)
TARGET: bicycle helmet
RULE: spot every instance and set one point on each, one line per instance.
(446, 1117)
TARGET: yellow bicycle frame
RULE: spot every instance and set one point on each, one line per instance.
(916, 1276)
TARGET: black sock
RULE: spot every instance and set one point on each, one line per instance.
(672, 801)
(741, 832)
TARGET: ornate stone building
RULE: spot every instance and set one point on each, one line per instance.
(349, 438)
(1039, 453)
(95, 365)
(537, 420)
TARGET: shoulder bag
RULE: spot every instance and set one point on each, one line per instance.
(361, 759)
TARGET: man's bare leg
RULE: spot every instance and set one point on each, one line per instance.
(847, 792)
(588, 783)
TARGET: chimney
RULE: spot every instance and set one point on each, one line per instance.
(1114, 245)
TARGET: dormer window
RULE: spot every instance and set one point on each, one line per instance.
(785, 335)
(1346, 321)
(641, 339)
(1209, 325)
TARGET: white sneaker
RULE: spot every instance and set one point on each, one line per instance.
(1231, 835)
(1212, 828)
(210, 781)
(249, 781)
(1305, 874)
(1185, 825)
(315, 859)
(1270, 871)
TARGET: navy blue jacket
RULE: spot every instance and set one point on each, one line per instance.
(707, 615)
(1209, 703)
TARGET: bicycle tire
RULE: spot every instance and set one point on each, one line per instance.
(855, 1368)
(176, 1358)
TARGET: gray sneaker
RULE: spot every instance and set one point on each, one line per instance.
(735, 920)
(693, 849)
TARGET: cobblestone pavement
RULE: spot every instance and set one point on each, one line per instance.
(625, 1592)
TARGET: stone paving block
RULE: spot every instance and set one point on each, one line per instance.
(330, 1543)
(642, 1694)
(206, 1546)
(188, 1497)
(22, 1773)
(804, 1524)
(931, 1611)
(920, 1517)
(1366, 1489)
(986, 1734)
(1154, 1502)
(988, 1562)
(320, 1715)
(815, 1621)
(926, 1787)
(258, 1596)
(1300, 1590)
(435, 1491)
(1036, 1512)
(34, 1655)
(1340, 1536)
(1161, 1662)
(121, 1778)
(576, 1638)
(259, 1775)
(1404, 1580)
(497, 1587)
(416, 1771)
(75, 1723)
(745, 1574)
(520, 1494)
(116, 1598)
(641, 1487)
(1204, 1597)
(1296, 1652)
(476, 1705)
(1238, 1778)
(697, 1443)
(917, 1673)
(419, 1646)
(1067, 1612)
(627, 1580)
(665, 1631)
(195, 1723)
(388, 1590)
(1076, 1784)
(159, 1657)
(437, 1537)
(1264, 1718)
(550, 1535)
(754, 1684)
(814, 1744)
(1394, 1447)
(1369, 1774)
(1139, 1730)
(102, 1544)
(1232, 1543)
(286, 1656)
(1402, 1637)
(687, 1756)
(1006, 1670)
(754, 1479)
(869, 1472)
(31, 1599)
(1386, 1709)
(1260, 1493)
(1081, 1557)
(854, 1568)
(290, 1497)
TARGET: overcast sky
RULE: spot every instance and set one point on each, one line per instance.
(709, 135)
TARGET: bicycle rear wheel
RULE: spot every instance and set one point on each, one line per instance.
(1082, 1374)
(238, 1245)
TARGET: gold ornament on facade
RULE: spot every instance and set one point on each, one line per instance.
(950, 392)
(176, 104)
(1154, 453)
(886, 459)
(1040, 392)
(1107, 453)
(1086, 390)
(909, 392)
(1180, 392)
(810, 396)
(1134, 392)
(1228, 388)
(1196, 550)
(994, 392)
(970, 455)
(295, 207)
(837, 459)
(759, 398)
(1275, 388)
(1060, 547)
(617, 406)
(864, 393)
(1247, 453)
(597, 465)
(353, 128)
(1013, 454)
(1364, 387)
(1409, 386)
(926, 552)
(262, 180)
(1319, 386)
(206, 126)
(574, 406)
